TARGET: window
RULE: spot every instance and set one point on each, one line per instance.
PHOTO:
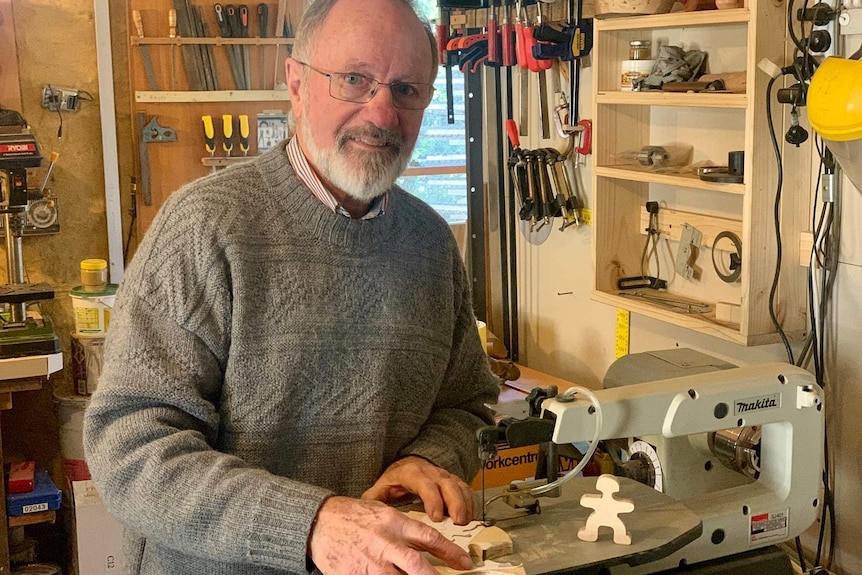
(437, 171)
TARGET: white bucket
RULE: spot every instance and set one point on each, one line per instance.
(70, 418)
(93, 311)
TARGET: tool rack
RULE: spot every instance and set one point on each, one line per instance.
(179, 108)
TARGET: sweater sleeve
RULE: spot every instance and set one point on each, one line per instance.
(448, 438)
(152, 423)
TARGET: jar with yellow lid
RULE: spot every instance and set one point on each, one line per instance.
(94, 275)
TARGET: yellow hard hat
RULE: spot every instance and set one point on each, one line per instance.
(835, 99)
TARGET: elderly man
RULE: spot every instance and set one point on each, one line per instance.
(293, 346)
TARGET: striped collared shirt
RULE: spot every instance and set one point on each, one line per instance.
(309, 178)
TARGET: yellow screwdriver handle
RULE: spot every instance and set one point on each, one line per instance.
(209, 134)
(243, 133)
(227, 129)
(139, 24)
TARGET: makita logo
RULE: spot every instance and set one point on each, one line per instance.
(756, 403)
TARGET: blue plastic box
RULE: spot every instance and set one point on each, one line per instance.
(44, 497)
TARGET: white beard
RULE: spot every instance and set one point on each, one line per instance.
(362, 175)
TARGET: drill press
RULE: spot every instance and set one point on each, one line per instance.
(20, 334)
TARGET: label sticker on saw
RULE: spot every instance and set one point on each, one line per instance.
(768, 526)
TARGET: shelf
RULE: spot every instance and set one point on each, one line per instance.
(690, 100)
(164, 97)
(700, 322)
(674, 20)
(28, 366)
(223, 162)
(215, 41)
(635, 174)
(714, 122)
(33, 518)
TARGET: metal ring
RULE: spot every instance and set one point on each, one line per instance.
(734, 272)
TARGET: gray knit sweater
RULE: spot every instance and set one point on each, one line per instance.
(265, 353)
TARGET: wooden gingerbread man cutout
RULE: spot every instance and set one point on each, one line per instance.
(606, 511)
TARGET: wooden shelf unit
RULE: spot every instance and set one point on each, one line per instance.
(21, 374)
(734, 40)
(33, 518)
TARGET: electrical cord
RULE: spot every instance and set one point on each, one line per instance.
(790, 18)
(823, 260)
(777, 222)
(129, 238)
(133, 212)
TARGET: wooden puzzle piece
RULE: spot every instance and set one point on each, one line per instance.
(486, 550)
(606, 511)
(485, 545)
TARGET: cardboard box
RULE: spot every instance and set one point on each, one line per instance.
(98, 537)
(515, 463)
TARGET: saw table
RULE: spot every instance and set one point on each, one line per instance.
(547, 543)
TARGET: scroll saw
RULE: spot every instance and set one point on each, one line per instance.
(740, 447)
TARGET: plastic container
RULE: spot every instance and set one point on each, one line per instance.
(44, 497)
(633, 70)
(70, 417)
(94, 275)
(93, 310)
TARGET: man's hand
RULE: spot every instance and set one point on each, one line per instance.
(355, 536)
(439, 490)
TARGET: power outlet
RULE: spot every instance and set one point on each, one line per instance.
(57, 98)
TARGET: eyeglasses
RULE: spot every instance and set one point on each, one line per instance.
(359, 89)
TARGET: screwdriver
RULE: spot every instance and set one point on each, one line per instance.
(243, 134)
(243, 28)
(262, 23)
(227, 130)
(172, 33)
(209, 136)
(233, 23)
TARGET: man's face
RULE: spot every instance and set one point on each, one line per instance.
(360, 149)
